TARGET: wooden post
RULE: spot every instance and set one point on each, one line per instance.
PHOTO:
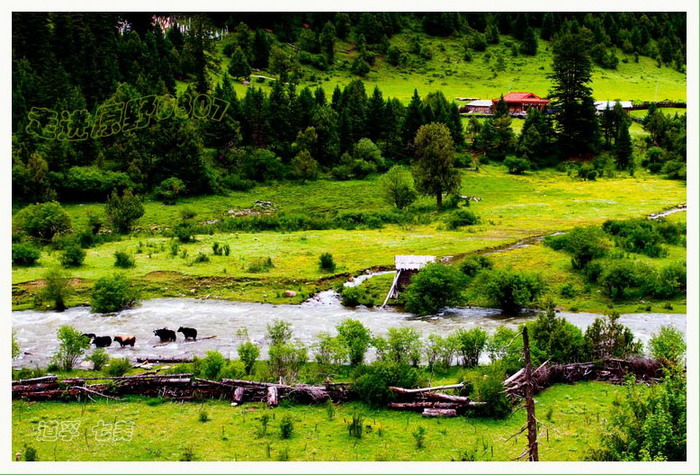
(529, 401)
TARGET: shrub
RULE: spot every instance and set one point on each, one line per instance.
(619, 277)
(328, 350)
(668, 346)
(71, 346)
(200, 257)
(326, 262)
(373, 381)
(286, 360)
(92, 183)
(419, 437)
(118, 367)
(567, 291)
(56, 288)
(398, 188)
(123, 211)
(584, 244)
(15, 346)
(113, 294)
(608, 339)
(72, 256)
(184, 231)
(461, 217)
(170, 190)
(99, 358)
(511, 291)
(211, 366)
(248, 352)
(30, 454)
(516, 165)
(304, 167)
(42, 220)
(354, 296)
(365, 150)
(356, 426)
(279, 332)
(204, 415)
(440, 351)
(472, 265)
(471, 344)
(488, 388)
(671, 281)
(286, 427)
(506, 347)
(355, 338)
(261, 264)
(123, 260)
(359, 67)
(556, 339)
(434, 287)
(403, 346)
(24, 255)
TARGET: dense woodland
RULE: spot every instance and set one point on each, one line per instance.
(74, 64)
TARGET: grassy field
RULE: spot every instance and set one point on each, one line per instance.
(448, 72)
(572, 418)
(512, 208)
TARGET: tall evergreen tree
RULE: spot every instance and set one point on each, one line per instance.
(577, 124)
(239, 67)
(529, 44)
(261, 50)
(375, 115)
(413, 120)
(327, 42)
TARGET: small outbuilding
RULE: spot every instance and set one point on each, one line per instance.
(600, 106)
(479, 106)
(406, 267)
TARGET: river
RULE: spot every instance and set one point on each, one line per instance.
(36, 330)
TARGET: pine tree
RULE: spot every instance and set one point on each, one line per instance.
(327, 41)
(577, 124)
(548, 26)
(413, 120)
(375, 115)
(239, 67)
(529, 44)
(501, 108)
(623, 148)
(261, 50)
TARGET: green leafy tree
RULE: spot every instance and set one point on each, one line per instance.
(72, 256)
(15, 346)
(123, 211)
(71, 346)
(647, 423)
(668, 346)
(511, 291)
(471, 344)
(248, 353)
(607, 338)
(42, 220)
(434, 170)
(279, 332)
(170, 190)
(304, 167)
(583, 243)
(435, 286)
(554, 338)
(403, 346)
(355, 338)
(56, 288)
(397, 187)
(113, 294)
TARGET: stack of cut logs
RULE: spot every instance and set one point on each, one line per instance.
(180, 387)
(610, 370)
(432, 403)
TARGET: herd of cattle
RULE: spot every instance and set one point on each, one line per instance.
(164, 334)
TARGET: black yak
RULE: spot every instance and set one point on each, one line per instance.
(165, 335)
(188, 332)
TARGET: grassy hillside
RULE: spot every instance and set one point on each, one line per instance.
(448, 72)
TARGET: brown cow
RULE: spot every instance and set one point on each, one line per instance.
(125, 340)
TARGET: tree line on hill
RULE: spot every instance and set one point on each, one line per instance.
(71, 62)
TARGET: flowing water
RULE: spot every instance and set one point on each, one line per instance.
(36, 330)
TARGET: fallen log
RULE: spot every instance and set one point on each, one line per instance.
(34, 387)
(164, 360)
(439, 413)
(272, 396)
(420, 405)
(425, 390)
(242, 382)
(43, 379)
(447, 397)
(96, 393)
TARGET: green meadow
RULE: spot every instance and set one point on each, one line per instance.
(512, 208)
(571, 419)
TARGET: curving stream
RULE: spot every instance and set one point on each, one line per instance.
(36, 330)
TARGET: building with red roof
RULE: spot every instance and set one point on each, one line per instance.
(519, 102)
